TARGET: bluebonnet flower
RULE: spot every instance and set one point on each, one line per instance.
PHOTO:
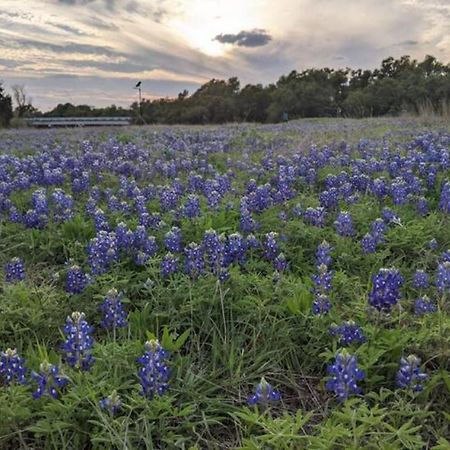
(323, 254)
(63, 205)
(81, 184)
(213, 198)
(112, 403)
(379, 188)
(270, 246)
(76, 280)
(446, 256)
(12, 368)
(409, 375)
(329, 199)
(235, 249)
(252, 241)
(315, 216)
(399, 191)
(169, 265)
(279, 263)
(389, 216)
(344, 376)
(124, 236)
(214, 248)
(264, 394)
(78, 344)
(321, 305)
(421, 279)
(172, 240)
(114, 314)
(349, 333)
(194, 263)
(368, 244)
(14, 215)
(15, 270)
(100, 220)
(246, 221)
(102, 251)
(344, 224)
(155, 372)
(385, 291)
(191, 208)
(35, 219)
(444, 201)
(297, 210)
(422, 206)
(48, 379)
(424, 305)
(443, 277)
(39, 202)
(322, 279)
(378, 229)
(168, 199)
(433, 245)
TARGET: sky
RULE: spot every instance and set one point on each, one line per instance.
(94, 51)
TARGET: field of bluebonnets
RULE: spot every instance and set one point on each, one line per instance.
(280, 286)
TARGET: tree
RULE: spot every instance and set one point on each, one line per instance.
(23, 102)
(6, 112)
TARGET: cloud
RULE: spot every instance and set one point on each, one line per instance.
(408, 43)
(109, 3)
(67, 48)
(253, 38)
(67, 28)
(155, 11)
(103, 46)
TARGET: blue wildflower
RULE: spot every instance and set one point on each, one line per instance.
(344, 376)
(15, 270)
(443, 277)
(169, 265)
(112, 403)
(264, 394)
(323, 254)
(78, 344)
(344, 224)
(424, 305)
(280, 263)
(76, 280)
(321, 305)
(444, 201)
(172, 240)
(349, 333)
(114, 314)
(154, 373)
(421, 279)
(12, 368)
(385, 291)
(48, 379)
(270, 246)
(368, 244)
(409, 375)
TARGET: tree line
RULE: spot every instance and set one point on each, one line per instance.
(398, 85)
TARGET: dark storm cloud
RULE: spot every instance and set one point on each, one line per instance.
(252, 38)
